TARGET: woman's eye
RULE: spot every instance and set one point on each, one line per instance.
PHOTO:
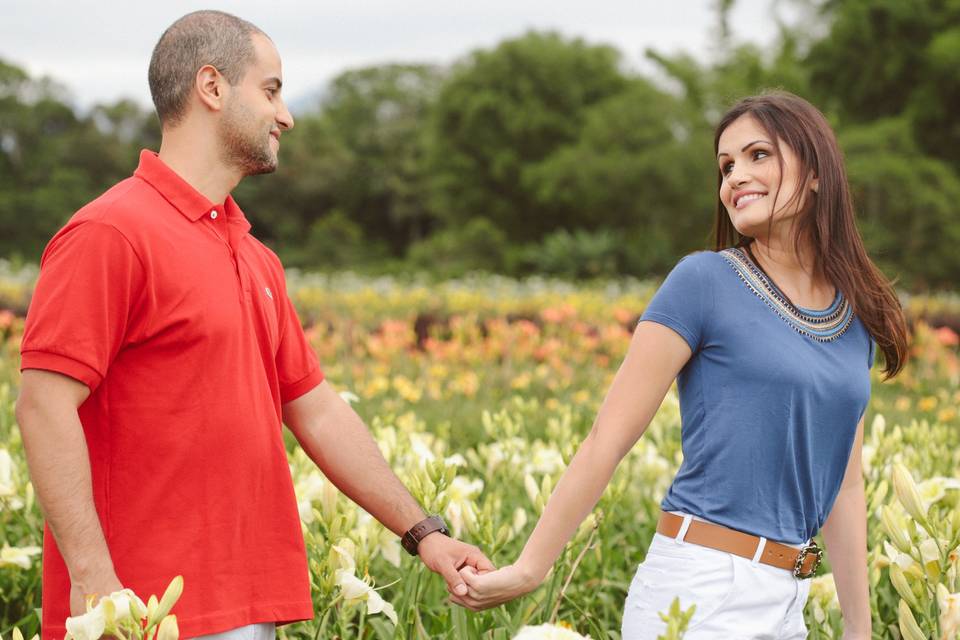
(760, 153)
(725, 169)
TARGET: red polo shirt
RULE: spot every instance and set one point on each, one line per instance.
(178, 320)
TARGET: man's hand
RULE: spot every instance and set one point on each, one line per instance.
(97, 586)
(447, 556)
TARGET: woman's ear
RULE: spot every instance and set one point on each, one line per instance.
(815, 184)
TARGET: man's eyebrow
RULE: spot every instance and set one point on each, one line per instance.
(745, 147)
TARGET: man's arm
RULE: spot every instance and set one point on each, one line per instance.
(336, 439)
(845, 537)
(60, 470)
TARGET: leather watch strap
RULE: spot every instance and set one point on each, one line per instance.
(411, 539)
(714, 536)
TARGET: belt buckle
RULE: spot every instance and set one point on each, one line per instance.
(804, 552)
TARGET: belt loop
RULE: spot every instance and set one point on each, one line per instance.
(759, 553)
(687, 519)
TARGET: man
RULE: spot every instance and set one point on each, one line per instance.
(160, 355)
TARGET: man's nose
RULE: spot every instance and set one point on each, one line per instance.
(284, 118)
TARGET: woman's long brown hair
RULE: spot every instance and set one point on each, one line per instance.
(828, 221)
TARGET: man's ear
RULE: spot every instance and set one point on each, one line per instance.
(210, 86)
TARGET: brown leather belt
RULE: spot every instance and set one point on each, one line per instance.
(802, 563)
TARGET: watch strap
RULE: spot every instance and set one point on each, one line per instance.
(411, 539)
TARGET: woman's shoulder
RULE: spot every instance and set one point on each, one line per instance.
(702, 261)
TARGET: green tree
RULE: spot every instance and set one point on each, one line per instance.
(504, 111)
(885, 58)
(360, 155)
(907, 204)
(53, 161)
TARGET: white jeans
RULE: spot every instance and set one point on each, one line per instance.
(263, 631)
(736, 598)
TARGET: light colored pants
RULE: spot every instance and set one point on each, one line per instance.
(264, 631)
(736, 598)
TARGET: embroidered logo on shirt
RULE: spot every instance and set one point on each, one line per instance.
(269, 293)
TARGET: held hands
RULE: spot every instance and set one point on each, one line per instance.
(446, 556)
(489, 589)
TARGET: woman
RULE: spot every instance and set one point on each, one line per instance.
(771, 338)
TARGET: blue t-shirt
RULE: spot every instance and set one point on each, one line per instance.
(769, 400)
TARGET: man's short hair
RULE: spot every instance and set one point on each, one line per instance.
(197, 39)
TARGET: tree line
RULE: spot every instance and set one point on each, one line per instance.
(545, 153)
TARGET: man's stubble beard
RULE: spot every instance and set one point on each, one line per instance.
(242, 147)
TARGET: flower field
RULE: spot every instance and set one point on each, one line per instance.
(478, 391)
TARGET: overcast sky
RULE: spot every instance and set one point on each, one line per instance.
(100, 51)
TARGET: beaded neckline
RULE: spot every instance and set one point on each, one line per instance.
(823, 325)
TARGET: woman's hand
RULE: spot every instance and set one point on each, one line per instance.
(489, 589)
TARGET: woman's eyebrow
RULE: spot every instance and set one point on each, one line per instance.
(745, 147)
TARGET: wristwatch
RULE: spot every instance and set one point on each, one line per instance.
(411, 539)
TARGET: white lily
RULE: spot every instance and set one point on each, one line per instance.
(355, 590)
(548, 632)
(89, 626)
(18, 556)
(7, 485)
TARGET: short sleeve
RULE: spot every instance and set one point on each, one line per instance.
(297, 366)
(678, 303)
(84, 304)
(872, 355)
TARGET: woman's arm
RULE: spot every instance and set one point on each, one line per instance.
(655, 357)
(845, 536)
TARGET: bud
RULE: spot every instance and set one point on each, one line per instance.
(152, 605)
(880, 492)
(909, 628)
(879, 425)
(907, 493)
(168, 629)
(899, 581)
(896, 529)
(533, 491)
(170, 597)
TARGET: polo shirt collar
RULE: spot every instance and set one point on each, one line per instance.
(179, 193)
